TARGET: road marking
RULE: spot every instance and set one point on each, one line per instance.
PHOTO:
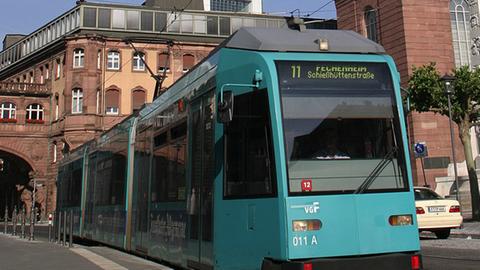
(100, 261)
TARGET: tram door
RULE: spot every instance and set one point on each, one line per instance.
(200, 203)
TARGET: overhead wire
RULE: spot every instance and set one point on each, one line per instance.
(320, 8)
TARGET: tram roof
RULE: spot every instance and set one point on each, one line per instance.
(289, 40)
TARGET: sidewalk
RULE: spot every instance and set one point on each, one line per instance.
(470, 229)
(32, 255)
(22, 254)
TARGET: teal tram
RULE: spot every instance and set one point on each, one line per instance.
(282, 149)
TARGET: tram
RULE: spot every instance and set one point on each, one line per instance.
(282, 149)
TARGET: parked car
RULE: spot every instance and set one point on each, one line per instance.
(435, 213)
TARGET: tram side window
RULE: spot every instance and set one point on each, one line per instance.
(110, 179)
(169, 176)
(76, 185)
(249, 166)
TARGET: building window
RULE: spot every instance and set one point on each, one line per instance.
(47, 72)
(111, 101)
(229, 5)
(371, 23)
(188, 62)
(41, 75)
(138, 99)
(34, 113)
(58, 70)
(99, 59)
(56, 108)
(139, 61)
(460, 24)
(113, 60)
(98, 102)
(163, 63)
(7, 112)
(77, 100)
(78, 58)
(54, 152)
(32, 79)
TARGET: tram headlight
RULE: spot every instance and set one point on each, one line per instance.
(306, 225)
(400, 220)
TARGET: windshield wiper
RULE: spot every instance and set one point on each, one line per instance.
(376, 171)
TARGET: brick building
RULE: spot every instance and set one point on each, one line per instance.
(83, 72)
(417, 33)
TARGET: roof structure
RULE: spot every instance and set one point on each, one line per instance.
(288, 40)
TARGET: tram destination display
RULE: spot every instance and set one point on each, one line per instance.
(305, 75)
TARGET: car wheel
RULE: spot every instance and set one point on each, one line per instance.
(442, 234)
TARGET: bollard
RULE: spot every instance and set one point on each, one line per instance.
(64, 240)
(23, 222)
(31, 237)
(59, 226)
(70, 234)
(50, 217)
(5, 220)
(14, 221)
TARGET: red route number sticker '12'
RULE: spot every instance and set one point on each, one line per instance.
(306, 185)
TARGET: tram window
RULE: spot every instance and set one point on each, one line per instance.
(179, 131)
(249, 158)
(169, 175)
(160, 139)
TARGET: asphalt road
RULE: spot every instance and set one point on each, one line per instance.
(450, 254)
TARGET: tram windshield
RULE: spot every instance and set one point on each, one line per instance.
(342, 133)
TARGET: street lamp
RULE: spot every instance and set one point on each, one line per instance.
(448, 81)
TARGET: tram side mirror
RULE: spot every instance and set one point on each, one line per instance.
(225, 107)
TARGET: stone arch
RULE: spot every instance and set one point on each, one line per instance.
(15, 176)
(18, 153)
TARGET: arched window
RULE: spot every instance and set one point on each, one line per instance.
(111, 101)
(42, 79)
(138, 99)
(99, 59)
(97, 110)
(461, 25)
(77, 100)
(34, 113)
(188, 62)
(139, 61)
(54, 152)
(78, 58)
(163, 63)
(7, 111)
(371, 23)
(113, 60)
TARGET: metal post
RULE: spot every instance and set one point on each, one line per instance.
(64, 240)
(32, 225)
(5, 220)
(14, 221)
(23, 222)
(32, 213)
(453, 146)
(70, 231)
(423, 170)
(59, 226)
(54, 226)
(49, 230)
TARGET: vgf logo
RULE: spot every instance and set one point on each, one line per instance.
(313, 208)
(309, 208)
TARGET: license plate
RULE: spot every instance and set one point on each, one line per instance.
(436, 209)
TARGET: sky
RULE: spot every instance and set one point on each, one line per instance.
(25, 16)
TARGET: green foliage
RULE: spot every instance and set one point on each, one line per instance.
(427, 92)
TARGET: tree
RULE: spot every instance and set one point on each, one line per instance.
(427, 93)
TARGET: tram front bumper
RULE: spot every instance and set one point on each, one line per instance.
(398, 261)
